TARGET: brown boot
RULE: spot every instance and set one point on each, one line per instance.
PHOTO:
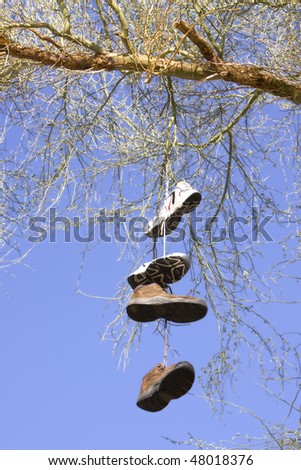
(152, 302)
(161, 385)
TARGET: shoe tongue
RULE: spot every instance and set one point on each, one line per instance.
(149, 287)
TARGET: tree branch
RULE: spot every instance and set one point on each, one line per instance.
(198, 40)
(124, 35)
(79, 41)
(205, 28)
(247, 75)
(110, 61)
(66, 15)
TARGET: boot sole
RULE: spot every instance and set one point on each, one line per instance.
(174, 310)
(173, 221)
(174, 385)
(162, 271)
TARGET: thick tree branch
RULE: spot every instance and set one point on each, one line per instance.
(200, 11)
(198, 40)
(110, 61)
(247, 75)
(256, 77)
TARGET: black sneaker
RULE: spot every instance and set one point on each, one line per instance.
(165, 270)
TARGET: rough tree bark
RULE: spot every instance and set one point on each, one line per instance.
(213, 68)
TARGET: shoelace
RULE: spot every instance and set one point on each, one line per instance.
(165, 343)
(167, 286)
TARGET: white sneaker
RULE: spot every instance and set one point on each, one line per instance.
(162, 271)
(182, 200)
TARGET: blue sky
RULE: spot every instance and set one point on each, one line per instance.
(61, 386)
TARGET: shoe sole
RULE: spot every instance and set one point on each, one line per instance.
(190, 204)
(176, 310)
(167, 389)
(173, 221)
(171, 224)
(162, 271)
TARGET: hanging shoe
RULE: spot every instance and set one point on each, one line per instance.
(162, 384)
(165, 270)
(182, 200)
(151, 302)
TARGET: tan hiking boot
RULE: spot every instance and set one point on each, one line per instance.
(152, 302)
(162, 384)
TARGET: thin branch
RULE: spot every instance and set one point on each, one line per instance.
(250, 413)
(46, 38)
(124, 35)
(70, 37)
(172, 99)
(254, 97)
(228, 178)
(103, 18)
(66, 15)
